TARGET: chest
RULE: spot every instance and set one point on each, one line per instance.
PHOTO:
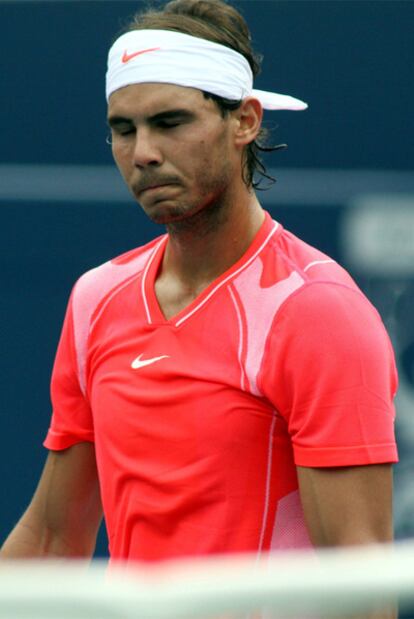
(183, 387)
(131, 363)
(174, 297)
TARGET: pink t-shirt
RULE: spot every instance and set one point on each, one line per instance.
(199, 421)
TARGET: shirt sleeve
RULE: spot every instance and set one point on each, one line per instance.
(330, 373)
(71, 417)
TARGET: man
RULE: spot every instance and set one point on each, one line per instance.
(226, 387)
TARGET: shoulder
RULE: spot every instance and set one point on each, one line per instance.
(290, 274)
(321, 283)
(293, 254)
(327, 289)
(100, 282)
(326, 307)
(94, 288)
(330, 332)
(322, 308)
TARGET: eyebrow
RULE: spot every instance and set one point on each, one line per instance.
(115, 120)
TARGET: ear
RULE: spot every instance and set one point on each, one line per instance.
(249, 116)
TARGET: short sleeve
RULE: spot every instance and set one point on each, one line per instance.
(71, 417)
(330, 372)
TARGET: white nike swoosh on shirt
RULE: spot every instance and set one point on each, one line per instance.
(141, 363)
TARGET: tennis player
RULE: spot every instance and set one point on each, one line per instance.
(226, 387)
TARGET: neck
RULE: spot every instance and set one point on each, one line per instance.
(205, 245)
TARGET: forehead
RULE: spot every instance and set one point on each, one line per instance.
(149, 99)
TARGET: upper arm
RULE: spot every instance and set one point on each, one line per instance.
(331, 375)
(66, 507)
(349, 505)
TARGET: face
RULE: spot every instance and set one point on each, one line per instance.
(174, 149)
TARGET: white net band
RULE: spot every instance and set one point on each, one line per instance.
(331, 583)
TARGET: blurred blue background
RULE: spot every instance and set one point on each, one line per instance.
(345, 184)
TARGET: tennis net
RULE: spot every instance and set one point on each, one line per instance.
(329, 583)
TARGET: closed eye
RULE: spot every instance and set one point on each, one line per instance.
(122, 129)
(167, 124)
(169, 119)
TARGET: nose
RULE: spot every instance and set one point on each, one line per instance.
(146, 150)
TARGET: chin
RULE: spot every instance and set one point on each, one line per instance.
(168, 212)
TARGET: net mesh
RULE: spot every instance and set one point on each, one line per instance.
(327, 584)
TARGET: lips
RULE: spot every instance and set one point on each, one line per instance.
(140, 189)
(154, 187)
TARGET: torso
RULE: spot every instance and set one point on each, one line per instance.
(181, 396)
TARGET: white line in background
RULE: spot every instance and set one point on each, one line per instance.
(103, 184)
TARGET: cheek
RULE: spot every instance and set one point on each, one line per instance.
(211, 154)
(212, 168)
(116, 154)
(122, 159)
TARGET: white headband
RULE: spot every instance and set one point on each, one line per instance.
(164, 56)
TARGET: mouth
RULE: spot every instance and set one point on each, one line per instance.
(140, 190)
(150, 191)
(153, 187)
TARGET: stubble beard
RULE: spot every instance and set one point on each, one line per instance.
(203, 216)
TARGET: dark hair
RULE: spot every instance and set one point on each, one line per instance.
(216, 21)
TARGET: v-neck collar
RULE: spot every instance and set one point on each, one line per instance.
(153, 310)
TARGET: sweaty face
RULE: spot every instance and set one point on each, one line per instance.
(173, 149)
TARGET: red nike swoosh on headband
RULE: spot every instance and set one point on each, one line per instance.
(127, 57)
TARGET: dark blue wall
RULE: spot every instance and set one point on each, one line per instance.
(352, 61)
